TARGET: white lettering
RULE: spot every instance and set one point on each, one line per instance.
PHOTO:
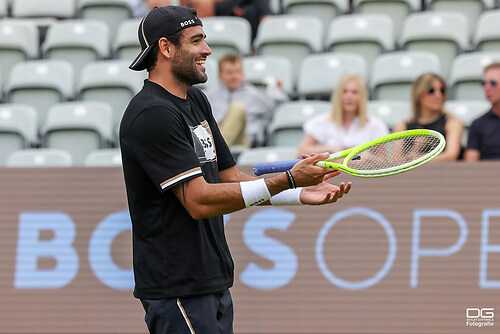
(417, 252)
(391, 236)
(284, 259)
(100, 259)
(486, 248)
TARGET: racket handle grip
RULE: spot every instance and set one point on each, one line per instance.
(274, 167)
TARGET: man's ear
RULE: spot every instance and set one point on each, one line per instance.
(166, 48)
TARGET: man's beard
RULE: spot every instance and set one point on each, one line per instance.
(185, 70)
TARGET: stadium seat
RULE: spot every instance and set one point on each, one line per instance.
(445, 34)
(18, 128)
(108, 157)
(259, 68)
(467, 74)
(289, 117)
(266, 154)
(467, 110)
(4, 8)
(41, 84)
(44, 12)
(326, 10)
(320, 73)
(227, 34)
(77, 41)
(39, 157)
(19, 41)
(276, 6)
(393, 73)
(398, 10)
(367, 35)
(472, 9)
(290, 36)
(390, 111)
(487, 34)
(111, 12)
(57, 9)
(126, 44)
(79, 128)
(110, 81)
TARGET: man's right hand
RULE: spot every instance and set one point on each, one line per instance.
(306, 173)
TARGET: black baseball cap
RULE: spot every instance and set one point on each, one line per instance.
(162, 22)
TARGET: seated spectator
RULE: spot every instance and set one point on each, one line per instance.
(428, 97)
(347, 124)
(239, 107)
(484, 132)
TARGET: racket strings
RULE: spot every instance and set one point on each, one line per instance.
(394, 153)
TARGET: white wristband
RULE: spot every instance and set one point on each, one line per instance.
(287, 197)
(254, 192)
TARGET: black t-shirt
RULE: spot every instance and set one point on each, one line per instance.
(484, 135)
(166, 140)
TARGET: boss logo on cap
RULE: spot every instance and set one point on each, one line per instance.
(187, 22)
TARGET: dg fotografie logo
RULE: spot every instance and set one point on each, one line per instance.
(480, 317)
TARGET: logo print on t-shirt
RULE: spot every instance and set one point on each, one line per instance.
(204, 144)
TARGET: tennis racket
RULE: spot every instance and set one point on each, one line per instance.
(388, 155)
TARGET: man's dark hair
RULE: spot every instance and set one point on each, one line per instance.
(152, 59)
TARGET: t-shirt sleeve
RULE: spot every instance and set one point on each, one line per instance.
(163, 147)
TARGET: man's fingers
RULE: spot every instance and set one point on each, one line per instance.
(321, 156)
(341, 189)
(335, 196)
(332, 174)
(317, 157)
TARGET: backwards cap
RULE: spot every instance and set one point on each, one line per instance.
(162, 22)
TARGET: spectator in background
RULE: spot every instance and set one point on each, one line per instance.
(484, 133)
(347, 124)
(239, 107)
(428, 97)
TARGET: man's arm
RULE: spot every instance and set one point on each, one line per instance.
(234, 174)
(472, 154)
(203, 200)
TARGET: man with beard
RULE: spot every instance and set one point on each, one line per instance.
(181, 178)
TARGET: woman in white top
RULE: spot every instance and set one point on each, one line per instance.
(347, 124)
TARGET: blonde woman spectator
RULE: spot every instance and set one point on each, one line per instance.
(347, 124)
(429, 95)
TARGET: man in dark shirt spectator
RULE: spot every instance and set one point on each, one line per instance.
(484, 132)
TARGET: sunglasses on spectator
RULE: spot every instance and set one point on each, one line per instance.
(432, 90)
(493, 83)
